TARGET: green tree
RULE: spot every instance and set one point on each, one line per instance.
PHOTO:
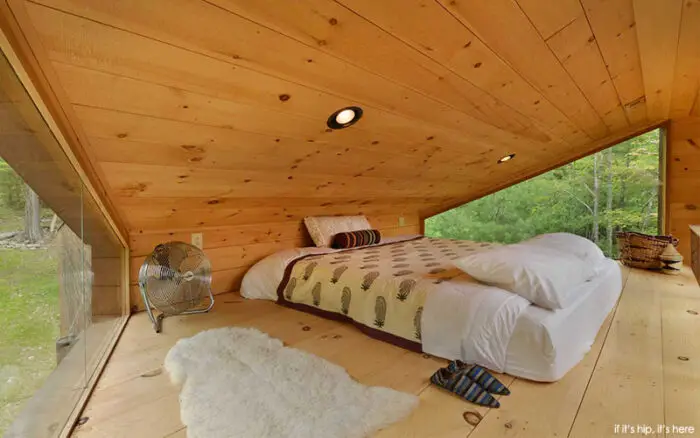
(11, 188)
(594, 197)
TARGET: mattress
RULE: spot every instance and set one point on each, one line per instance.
(464, 319)
(546, 344)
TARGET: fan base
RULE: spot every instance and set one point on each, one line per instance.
(157, 321)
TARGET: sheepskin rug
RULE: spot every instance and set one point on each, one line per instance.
(240, 382)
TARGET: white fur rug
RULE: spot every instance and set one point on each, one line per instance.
(242, 383)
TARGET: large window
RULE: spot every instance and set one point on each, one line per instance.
(596, 196)
(62, 295)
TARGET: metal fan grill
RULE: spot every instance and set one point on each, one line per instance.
(174, 279)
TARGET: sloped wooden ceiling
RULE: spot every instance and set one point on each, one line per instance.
(205, 113)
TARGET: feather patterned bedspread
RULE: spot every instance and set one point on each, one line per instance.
(384, 289)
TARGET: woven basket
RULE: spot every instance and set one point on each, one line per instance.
(642, 250)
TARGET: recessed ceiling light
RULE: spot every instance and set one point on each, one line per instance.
(344, 117)
(506, 158)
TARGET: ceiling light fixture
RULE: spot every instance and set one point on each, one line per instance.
(506, 158)
(344, 117)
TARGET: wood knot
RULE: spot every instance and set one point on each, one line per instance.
(429, 137)
(306, 328)
(153, 373)
(121, 135)
(472, 417)
(692, 312)
(284, 97)
(508, 425)
(683, 358)
(191, 148)
(591, 39)
(213, 202)
(477, 65)
(333, 21)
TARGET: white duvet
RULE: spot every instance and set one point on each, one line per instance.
(462, 319)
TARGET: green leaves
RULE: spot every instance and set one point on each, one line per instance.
(564, 198)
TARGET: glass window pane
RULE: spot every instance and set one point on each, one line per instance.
(61, 292)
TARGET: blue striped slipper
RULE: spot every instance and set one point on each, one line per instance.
(463, 386)
(480, 376)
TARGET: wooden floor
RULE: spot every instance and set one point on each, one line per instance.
(644, 369)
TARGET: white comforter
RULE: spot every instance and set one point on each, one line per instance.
(461, 318)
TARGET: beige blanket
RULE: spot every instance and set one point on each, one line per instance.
(382, 288)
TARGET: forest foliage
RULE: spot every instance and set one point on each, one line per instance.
(613, 190)
(11, 188)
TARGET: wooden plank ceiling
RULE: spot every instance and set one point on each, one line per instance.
(212, 112)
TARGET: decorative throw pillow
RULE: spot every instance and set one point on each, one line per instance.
(353, 239)
(323, 228)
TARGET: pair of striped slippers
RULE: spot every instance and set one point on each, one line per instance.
(471, 382)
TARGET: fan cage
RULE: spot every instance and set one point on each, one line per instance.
(174, 279)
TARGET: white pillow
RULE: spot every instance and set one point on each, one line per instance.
(544, 276)
(323, 228)
(569, 243)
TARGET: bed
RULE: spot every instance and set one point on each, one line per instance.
(407, 291)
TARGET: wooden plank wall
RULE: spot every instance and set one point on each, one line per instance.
(683, 180)
(234, 249)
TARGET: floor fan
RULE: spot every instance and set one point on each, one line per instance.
(173, 279)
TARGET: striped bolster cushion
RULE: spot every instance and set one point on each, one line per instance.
(352, 239)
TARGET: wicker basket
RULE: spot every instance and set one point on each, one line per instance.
(642, 250)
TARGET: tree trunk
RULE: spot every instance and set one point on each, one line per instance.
(596, 193)
(32, 216)
(609, 200)
(623, 184)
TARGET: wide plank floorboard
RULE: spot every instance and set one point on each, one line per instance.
(643, 369)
